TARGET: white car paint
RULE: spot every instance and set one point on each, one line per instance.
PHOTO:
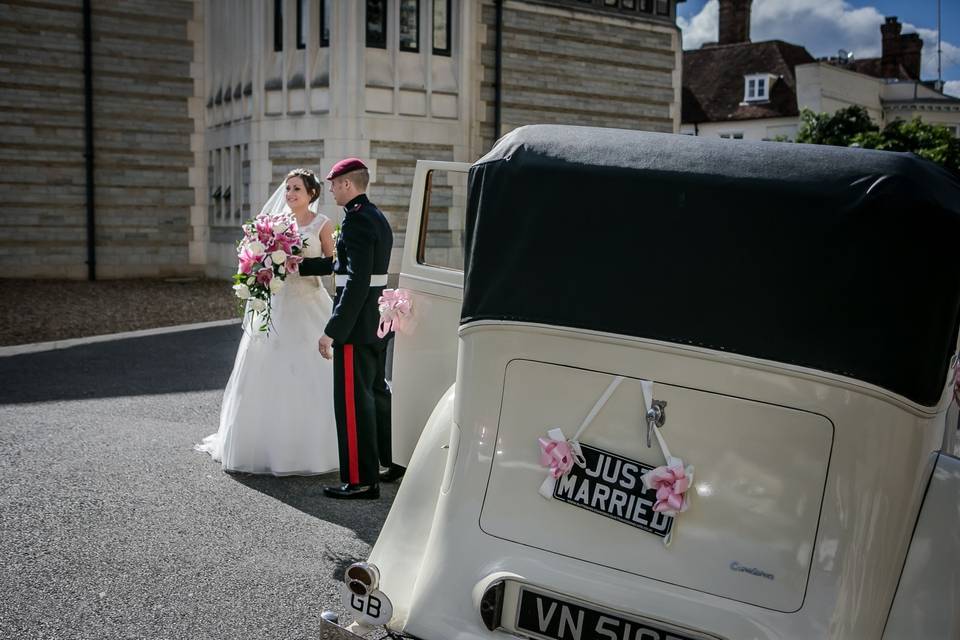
(813, 478)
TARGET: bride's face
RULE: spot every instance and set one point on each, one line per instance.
(298, 197)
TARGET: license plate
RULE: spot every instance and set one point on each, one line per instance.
(544, 616)
(610, 485)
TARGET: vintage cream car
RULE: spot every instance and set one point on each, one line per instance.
(783, 318)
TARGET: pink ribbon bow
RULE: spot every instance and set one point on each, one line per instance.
(396, 308)
(671, 483)
(556, 455)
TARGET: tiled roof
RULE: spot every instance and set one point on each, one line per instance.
(871, 67)
(713, 80)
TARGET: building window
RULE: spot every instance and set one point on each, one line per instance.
(646, 6)
(301, 25)
(736, 135)
(377, 24)
(278, 25)
(324, 23)
(410, 25)
(610, 3)
(756, 87)
(629, 5)
(441, 27)
(663, 7)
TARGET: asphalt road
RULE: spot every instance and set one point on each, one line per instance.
(111, 526)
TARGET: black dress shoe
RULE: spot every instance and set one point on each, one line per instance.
(353, 492)
(393, 473)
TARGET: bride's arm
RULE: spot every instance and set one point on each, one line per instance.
(326, 238)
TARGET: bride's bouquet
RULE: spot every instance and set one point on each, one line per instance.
(269, 250)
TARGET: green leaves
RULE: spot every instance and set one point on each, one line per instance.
(852, 126)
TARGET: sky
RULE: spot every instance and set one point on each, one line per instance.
(826, 26)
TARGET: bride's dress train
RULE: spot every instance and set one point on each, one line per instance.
(277, 411)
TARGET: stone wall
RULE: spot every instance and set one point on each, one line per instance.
(564, 66)
(396, 164)
(142, 56)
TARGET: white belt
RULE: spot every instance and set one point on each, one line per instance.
(377, 280)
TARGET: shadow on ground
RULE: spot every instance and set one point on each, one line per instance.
(198, 360)
(305, 493)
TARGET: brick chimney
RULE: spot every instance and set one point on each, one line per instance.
(899, 50)
(910, 47)
(734, 21)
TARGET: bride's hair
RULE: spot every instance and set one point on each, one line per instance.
(310, 181)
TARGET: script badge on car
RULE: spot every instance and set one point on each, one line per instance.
(610, 485)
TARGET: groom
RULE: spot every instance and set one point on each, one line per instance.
(361, 395)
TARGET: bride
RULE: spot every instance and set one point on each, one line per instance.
(277, 411)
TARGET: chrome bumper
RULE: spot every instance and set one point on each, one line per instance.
(332, 631)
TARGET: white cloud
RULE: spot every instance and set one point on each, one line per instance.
(952, 88)
(822, 26)
(701, 27)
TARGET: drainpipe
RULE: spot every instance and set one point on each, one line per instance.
(498, 70)
(88, 137)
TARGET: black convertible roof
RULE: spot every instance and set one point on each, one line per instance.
(842, 260)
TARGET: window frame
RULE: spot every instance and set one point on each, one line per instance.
(376, 44)
(666, 7)
(440, 51)
(416, 46)
(756, 87)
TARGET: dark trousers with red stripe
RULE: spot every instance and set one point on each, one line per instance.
(362, 407)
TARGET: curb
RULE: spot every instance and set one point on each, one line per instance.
(36, 347)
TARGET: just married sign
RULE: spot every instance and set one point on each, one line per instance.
(610, 485)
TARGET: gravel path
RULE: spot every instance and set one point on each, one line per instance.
(112, 527)
(44, 310)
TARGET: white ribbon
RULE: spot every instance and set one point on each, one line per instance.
(556, 436)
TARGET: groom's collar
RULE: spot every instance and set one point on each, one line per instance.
(356, 203)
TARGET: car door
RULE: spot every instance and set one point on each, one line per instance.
(425, 349)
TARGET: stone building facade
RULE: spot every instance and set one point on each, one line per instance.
(145, 119)
(201, 106)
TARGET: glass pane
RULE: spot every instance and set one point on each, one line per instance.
(301, 24)
(441, 27)
(610, 3)
(629, 4)
(377, 23)
(409, 25)
(278, 25)
(761, 87)
(646, 6)
(663, 7)
(441, 239)
(325, 23)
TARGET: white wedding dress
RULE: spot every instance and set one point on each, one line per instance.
(277, 411)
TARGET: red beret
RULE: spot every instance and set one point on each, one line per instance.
(345, 166)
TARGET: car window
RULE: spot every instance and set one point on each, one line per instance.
(441, 240)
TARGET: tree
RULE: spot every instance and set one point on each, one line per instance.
(852, 127)
(926, 140)
(837, 129)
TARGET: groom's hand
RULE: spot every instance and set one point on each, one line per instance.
(326, 346)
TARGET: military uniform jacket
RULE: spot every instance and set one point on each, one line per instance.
(363, 250)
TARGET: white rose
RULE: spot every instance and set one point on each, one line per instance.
(275, 285)
(281, 270)
(278, 256)
(257, 304)
(242, 291)
(251, 280)
(256, 248)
